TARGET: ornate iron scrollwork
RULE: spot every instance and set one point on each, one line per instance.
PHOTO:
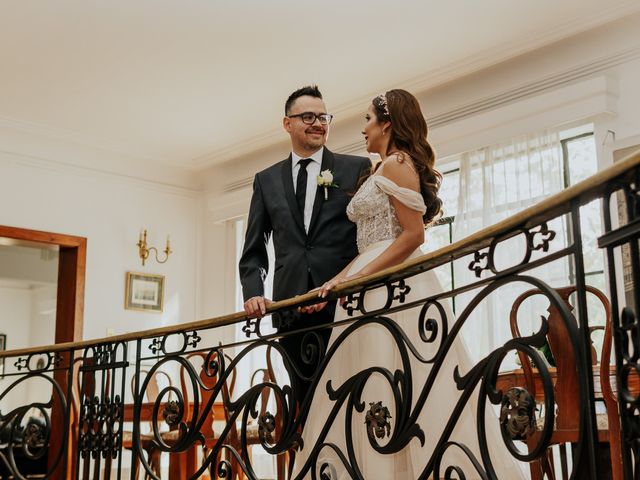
(537, 239)
(399, 291)
(188, 339)
(251, 327)
(353, 302)
(100, 427)
(540, 239)
(155, 346)
(480, 263)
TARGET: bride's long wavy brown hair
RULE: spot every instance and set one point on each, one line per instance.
(409, 134)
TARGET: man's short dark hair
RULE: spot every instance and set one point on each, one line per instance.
(309, 91)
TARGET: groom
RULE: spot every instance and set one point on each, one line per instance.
(312, 236)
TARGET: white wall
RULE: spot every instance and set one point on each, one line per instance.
(591, 77)
(109, 210)
(218, 270)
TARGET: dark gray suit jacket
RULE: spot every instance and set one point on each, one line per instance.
(300, 257)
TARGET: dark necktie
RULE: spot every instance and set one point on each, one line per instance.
(301, 183)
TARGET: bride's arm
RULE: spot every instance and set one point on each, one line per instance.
(407, 242)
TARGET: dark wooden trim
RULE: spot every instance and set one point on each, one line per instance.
(70, 303)
(35, 237)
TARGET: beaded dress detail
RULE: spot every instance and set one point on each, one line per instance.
(374, 214)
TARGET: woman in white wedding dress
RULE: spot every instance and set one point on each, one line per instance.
(391, 209)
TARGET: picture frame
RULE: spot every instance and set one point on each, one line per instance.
(144, 292)
(3, 347)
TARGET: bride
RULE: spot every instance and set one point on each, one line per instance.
(391, 209)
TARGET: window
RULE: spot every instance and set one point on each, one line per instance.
(263, 462)
(578, 161)
(441, 234)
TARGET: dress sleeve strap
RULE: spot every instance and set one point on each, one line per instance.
(406, 196)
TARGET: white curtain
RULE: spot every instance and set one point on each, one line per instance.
(257, 359)
(262, 462)
(495, 183)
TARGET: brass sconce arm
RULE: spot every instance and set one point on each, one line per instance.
(144, 250)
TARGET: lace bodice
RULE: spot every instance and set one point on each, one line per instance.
(374, 214)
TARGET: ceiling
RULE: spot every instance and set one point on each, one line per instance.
(193, 83)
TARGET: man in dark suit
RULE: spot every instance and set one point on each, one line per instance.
(312, 236)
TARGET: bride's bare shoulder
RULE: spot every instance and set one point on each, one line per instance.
(399, 169)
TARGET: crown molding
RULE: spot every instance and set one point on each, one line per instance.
(238, 185)
(42, 147)
(41, 163)
(79, 139)
(518, 93)
(237, 149)
(533, 88)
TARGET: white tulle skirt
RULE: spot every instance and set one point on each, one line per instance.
(373, 345)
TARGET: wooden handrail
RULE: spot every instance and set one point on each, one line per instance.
(557, 204)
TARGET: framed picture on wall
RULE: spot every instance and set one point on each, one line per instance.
(3, 347)
(144, 292)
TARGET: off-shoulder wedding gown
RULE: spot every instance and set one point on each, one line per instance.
(335, 438)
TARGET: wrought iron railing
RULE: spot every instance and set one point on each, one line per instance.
(92, 409)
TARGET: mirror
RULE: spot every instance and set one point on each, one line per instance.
(28, 290)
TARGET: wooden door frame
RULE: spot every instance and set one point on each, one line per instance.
(71, 276)
(72, 262)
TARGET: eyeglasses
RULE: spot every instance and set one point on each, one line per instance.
(310, 118)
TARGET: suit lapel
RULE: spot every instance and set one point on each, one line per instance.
(327, 164)
(289, 193)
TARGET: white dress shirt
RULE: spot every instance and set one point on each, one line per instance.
(313, 170)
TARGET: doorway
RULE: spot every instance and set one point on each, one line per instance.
(71, 252)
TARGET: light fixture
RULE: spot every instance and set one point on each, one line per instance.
(144, 250)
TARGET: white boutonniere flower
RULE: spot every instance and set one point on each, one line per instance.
(325, 179)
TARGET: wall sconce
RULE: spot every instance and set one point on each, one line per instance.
(144, 250)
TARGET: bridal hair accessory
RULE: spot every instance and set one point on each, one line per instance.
(325, 179)
(381, 102)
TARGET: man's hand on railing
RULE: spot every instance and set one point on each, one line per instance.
(324, 290)
(316, 307)
(256, 307)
